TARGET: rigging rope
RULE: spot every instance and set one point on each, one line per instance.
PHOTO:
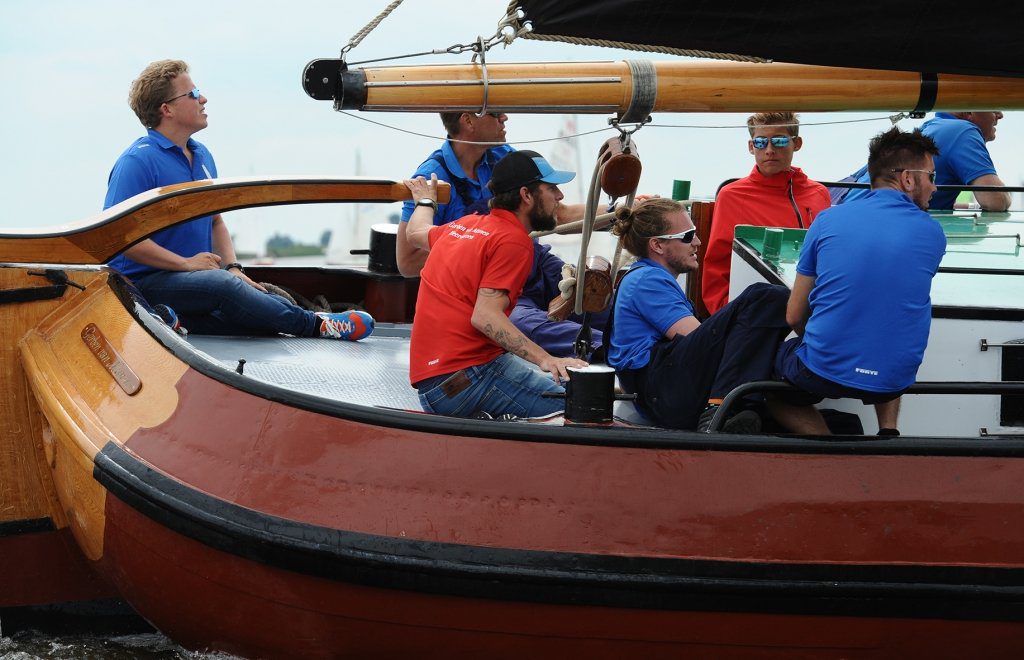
(359, 36)
(891, 118)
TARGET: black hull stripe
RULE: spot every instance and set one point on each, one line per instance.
(26, 526)
(947, 592)
(603, 436)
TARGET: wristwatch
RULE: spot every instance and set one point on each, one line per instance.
(426, 201)
(235, 264)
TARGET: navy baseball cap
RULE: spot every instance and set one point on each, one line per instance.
(521, 168)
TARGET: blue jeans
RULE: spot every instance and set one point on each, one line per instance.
(215, 302)
(506, 384)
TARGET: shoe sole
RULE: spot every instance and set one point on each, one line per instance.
(743, 423)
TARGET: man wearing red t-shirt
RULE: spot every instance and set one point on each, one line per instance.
(466, 357)
(775, 194)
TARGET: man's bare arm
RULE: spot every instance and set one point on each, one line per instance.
(148, 253)
(224, 247)
(489, 318)
(413, 241)
(410, 258)
(994, 200)
(798, 309)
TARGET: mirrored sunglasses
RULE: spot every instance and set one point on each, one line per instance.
(776, 140)
(194, 93)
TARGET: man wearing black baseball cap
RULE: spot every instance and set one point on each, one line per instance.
(467, 160)
(465, 356)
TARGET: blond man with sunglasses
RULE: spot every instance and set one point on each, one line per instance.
(679, 367)
(774, 194)
(190, 272)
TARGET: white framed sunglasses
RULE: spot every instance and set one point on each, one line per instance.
(684, 236)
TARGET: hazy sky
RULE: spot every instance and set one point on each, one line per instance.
(66, 65)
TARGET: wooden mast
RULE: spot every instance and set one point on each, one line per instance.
(678, 86)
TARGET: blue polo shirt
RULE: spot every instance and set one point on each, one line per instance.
(151, 162)
(873, 261)
(466, 193)
(648, 303)
(963, 157)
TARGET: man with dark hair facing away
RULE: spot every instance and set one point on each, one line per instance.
(861, 302)
(466, 358)
(774, 194)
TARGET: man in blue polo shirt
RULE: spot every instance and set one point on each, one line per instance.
(861, 302)
(963, 159)
(680, 368)
(191, 268)
(465, 160)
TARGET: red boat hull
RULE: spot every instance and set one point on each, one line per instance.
(242, 517)
(44, 566)
(209, 599)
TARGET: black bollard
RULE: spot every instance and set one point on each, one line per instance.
(590, 394)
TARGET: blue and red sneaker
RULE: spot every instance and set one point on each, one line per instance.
(351, 325)
(167, 315)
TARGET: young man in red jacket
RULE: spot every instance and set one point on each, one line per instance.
(774, 194)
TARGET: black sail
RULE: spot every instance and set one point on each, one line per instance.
(926, 36)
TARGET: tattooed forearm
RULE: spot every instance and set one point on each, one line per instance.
(512, 342)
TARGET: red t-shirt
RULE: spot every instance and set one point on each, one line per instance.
(755, 200)
(478, 251)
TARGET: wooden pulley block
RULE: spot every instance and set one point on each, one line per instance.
(597, 291)
(620, 174)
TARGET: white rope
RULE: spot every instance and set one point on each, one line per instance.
(489, 144)
(892, 118)
(359, 36)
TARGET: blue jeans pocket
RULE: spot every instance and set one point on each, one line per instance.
(499, 402)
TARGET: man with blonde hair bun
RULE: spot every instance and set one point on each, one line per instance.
(680, 368)
(774, 194)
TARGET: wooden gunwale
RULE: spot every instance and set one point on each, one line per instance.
(100, 238)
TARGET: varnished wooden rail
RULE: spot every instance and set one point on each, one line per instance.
(98, 239)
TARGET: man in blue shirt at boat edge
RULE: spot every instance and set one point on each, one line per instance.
(961, 138)
(191, 267)
(861, 302)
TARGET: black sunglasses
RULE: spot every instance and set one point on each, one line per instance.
(194, 93)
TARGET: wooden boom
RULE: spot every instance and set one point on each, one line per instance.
(98, 239)
(672, 86)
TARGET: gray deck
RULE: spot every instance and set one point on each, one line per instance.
(373, 372)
